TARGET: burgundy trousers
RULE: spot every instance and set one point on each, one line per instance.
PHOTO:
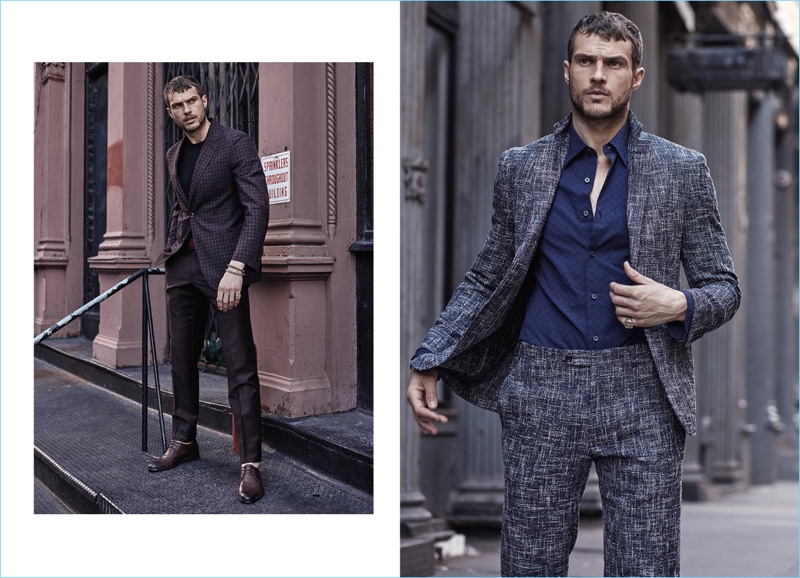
(188, 298)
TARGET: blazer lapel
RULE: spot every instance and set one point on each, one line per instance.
(181, 197)
(535, 182)
(638, 190)
(539, 190)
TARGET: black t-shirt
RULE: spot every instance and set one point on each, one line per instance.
(186, 162)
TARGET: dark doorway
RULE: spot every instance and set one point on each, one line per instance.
(363, 247)
(94, 191)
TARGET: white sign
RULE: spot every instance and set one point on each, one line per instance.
(276, 170)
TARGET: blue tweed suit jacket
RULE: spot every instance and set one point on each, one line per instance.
(226, 207)
(673, 220)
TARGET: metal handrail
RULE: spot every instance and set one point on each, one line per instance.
(147, 328)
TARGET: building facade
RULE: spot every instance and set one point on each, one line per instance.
(102, 205)
(480, 77)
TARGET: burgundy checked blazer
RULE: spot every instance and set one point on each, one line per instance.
(226, 209)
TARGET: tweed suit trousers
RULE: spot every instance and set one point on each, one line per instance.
(188, 297)
(563, 410)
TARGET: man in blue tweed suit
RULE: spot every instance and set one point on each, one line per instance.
(572, 325)
(212, 255)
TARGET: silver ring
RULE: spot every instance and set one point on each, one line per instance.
(628, 323)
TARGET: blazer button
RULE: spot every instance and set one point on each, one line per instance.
(595, 339)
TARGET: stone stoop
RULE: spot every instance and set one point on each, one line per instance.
(334, 448)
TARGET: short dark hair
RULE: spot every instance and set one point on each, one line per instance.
(609, 26)
(182, 83)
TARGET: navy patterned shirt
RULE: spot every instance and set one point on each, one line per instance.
(580, 253)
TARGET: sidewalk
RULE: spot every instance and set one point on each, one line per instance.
(749, 533)
(88, 456)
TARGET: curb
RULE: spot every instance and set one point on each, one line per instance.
(77, 496)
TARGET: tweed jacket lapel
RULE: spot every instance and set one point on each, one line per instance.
(638, 187)
(538, 181)
(535, 183)
(474, 359)
(543, 172)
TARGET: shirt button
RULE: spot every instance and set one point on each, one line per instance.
(595, 339)
(587, 180)
(594, 296)
(586, 213)
(592, 254)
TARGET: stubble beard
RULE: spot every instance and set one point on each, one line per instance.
(618, 109)
(202, 121)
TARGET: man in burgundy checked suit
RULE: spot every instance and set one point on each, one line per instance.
(212, 255)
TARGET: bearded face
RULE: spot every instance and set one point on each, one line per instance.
(601, 78)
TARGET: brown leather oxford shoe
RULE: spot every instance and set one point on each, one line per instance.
(250, 487)
(176, 454)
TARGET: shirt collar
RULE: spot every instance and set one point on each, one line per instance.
(619, 143)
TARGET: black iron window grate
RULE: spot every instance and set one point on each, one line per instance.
(232, 89)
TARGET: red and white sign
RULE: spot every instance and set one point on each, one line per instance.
(276, 170)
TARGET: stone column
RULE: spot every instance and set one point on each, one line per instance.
(478, 500)
(57, 207)
(492, 115)
(686, 113)
(785, 182)
(301, 110)
(762, 412)
(720, 354)
(417, 525)
(131, 169)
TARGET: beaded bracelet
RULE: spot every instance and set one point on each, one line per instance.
(234, 271)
